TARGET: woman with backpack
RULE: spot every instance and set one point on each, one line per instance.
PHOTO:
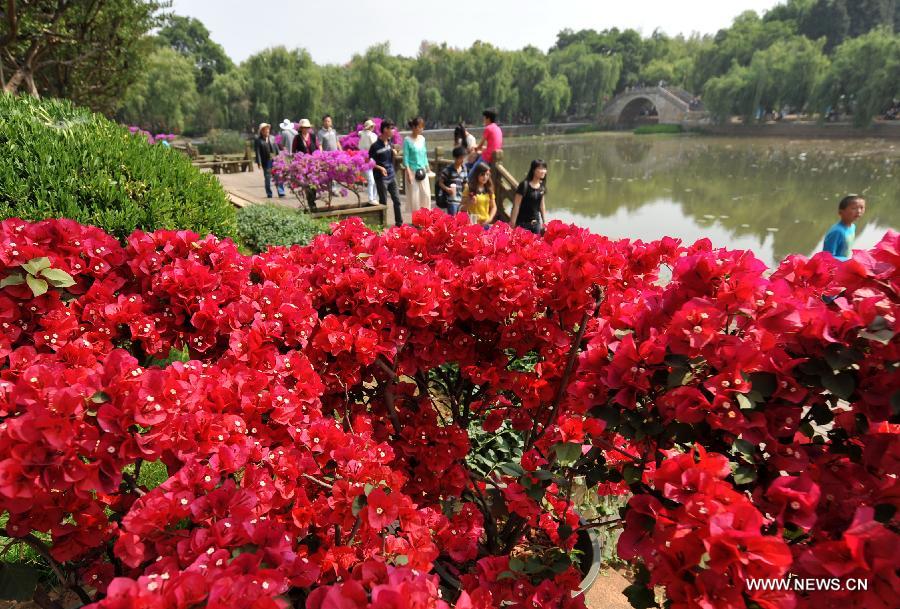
(528, 210)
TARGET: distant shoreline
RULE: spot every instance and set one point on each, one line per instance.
(802, 130)
(790, 129)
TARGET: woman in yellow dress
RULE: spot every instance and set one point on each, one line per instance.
(478, 197)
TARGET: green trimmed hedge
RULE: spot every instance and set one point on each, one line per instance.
(260, 226)
(653, 129)
(59, 160)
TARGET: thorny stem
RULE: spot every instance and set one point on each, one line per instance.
(354, 530)
(611, 446)
(42, 549)
(389, 394)
(575, 347)
(317, 481)
(609, 522)
(132, 483)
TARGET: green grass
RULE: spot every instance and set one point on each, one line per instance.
(593, 128)
(656, 129)
(153, 473)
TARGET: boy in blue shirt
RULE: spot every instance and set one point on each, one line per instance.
(839, 238)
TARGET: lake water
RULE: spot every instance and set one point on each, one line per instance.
(774, 196)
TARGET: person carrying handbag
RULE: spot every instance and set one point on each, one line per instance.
(528, 210)
(415, 163)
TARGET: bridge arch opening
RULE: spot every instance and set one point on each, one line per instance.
(639, 111)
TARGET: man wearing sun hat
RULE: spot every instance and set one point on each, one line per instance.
(367, 137)
(305, 141)
(287, 134)
(267, 149)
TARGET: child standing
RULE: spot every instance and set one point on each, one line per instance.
(839, 238)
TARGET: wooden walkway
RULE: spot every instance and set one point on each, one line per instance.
(249, 188)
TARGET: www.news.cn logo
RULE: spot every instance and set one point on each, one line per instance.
(809, 584)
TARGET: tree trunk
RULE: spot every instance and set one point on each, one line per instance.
(12, 85)
(30, 86)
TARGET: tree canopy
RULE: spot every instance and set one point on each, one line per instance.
(808, 55)
(89, 51)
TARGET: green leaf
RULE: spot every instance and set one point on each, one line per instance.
(744, 475)
(511, 469)
(536, 493)
(681, 432)
(744, 447)
(677, 361)
(401, 560)
(14, 279)
(38, 286)
(640, 596)
(882, 336)
(534, 565)
(679, 377)
(744, 402)
(840, 357)
(878, 323)
(763, 382)
(792, 532)
(632, 473)
(821, 414)
(560, 565)
(564, 531)
(884, 512)
(58, 278)
(567, 453)
(359, 504)
(608, 414)
(517, 565)
(841, 384)
(99, 398)
(36, 265)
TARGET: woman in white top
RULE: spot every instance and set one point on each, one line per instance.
(367, 137)
(415, 161)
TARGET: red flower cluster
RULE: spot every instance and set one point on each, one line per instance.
(317, 439)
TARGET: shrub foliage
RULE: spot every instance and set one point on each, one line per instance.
(58, 160)
(260, 226)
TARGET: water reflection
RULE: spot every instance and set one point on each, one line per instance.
(774, 196)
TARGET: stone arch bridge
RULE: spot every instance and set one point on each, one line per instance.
(660, 104)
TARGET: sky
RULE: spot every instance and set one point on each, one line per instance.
(334, 30)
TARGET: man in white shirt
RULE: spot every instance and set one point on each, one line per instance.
(287, 134)
(367, 137)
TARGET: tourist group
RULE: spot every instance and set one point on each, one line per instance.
(466, 185)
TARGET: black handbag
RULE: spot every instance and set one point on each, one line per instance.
(420, 174)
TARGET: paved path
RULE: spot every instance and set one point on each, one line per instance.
(248, 187)
(606, 593)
